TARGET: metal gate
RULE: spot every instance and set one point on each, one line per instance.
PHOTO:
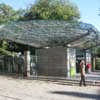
(10, 64)
(33, 66)
(15, 65)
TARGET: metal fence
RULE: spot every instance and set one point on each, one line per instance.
(15, 65)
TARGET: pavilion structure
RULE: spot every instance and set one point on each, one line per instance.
(55, 42)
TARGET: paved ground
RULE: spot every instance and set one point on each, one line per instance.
(18, 89)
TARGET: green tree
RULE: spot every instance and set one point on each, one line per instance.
(7, 14)
(53, 9)
(4, 46)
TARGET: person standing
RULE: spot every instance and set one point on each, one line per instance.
(82, 72)
(88, 67)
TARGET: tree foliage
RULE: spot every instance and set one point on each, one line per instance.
(7, 14)
(53, 9)
(4, 46)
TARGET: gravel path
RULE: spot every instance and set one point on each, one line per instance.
(18, 89)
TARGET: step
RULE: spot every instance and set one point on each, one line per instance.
(65, 81)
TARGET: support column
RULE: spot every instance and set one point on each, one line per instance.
(68, 63)
(71, 62)
(88, 59)
(27, 63)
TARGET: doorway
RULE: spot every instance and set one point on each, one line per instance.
(80, 55)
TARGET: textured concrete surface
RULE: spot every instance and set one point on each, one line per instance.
(19, 89)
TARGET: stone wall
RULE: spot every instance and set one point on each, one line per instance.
(52, 61)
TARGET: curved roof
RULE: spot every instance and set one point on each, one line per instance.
(42, 33)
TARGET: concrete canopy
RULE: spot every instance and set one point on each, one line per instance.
(49, 33)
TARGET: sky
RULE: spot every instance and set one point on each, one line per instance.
(89, 9)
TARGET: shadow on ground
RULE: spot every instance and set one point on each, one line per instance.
(77, 94)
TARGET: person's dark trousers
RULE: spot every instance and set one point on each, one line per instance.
(82, 81)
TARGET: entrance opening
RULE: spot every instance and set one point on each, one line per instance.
(80, 55)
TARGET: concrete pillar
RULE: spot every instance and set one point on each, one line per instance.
(68, 63)
(71, 62)
(88, 58)
(27, 63)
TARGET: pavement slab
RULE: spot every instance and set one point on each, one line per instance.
(22, 89)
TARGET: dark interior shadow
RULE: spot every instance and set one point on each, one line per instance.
(77, 94)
